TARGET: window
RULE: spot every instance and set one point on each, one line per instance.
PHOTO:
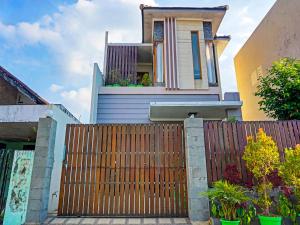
(211, 63)
(196, 55)
(158, 52)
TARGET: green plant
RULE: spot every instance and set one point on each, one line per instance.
(246, 213)
(146, 80)
(286, 208)
(231, 119)
(262, 158)
(279, 90)
(225, 199)
(124, 82)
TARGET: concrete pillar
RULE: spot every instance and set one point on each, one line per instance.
(41, 173)
(198, 206)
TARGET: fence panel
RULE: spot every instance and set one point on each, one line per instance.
(6, 161)
(124, 170)
(225, 142)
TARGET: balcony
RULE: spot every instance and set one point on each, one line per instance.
(129, 65)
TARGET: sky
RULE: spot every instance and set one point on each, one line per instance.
(51, 45)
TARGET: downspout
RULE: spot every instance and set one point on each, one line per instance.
(142, 11)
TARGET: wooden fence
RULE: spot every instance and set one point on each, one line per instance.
(6, 161)
(225, 142)
(124, 170)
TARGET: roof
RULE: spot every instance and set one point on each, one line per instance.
(23, 88)
(214, 14)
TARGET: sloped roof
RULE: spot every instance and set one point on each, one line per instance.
(23, 88)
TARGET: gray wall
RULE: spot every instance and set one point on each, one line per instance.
(135, 108)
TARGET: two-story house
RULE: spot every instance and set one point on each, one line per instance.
(172, 73)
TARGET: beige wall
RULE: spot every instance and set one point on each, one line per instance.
(185, 60)
(276, 37)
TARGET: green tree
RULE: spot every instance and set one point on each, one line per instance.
(262, 158)
(279, 90)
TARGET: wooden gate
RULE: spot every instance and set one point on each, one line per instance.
(124, 170)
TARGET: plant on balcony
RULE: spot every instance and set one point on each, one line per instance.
(262, 158)
(225, 200)
(289, 170)
(146, 80)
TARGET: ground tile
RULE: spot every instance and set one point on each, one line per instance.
(58, 221)
(149, 221)
(164, 221)
(119, 221)
(73, 221)
(88, 221)
(134, 221)
(103, 221)
(180, 221)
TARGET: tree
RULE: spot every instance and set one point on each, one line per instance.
(279, 90)
(262, 158)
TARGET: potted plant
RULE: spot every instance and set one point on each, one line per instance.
(262, 158)
(225, 200)
(289, 170)
(146, 80)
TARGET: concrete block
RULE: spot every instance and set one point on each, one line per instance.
(193, 122)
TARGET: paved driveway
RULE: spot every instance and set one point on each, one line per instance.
(117, 221)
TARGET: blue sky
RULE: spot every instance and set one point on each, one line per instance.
(51, 45)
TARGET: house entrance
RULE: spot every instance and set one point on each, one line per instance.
(124, 170)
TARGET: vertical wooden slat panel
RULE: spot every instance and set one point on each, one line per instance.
(142, 172)
(132, 169)
(157, 165)
(112, 171)
(93, 170)
(147, 171)
(161, 152)
(107, 172)
(127, 174)
(152, 171)
(98, 170)
(118, 166)
(103, 172)
(137, 171)
(122, 168)
(171, 144)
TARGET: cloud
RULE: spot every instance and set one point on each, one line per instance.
(55, 88)
(74, 36)
(79, 101)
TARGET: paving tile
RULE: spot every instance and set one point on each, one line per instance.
(119, 221)
(164, 221)
(88, 221)
(149, 221)
(103, 221)
(180, 221)
(58, 221)
(73, 221)
(134, 221)
(48, 220)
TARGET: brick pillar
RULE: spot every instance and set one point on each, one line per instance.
(41, 172)
(198, 206)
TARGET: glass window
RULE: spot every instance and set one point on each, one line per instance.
(159, 63)
(211, 64)
(196, 55)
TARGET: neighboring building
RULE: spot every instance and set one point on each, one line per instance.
(277, 36)
(179, 53)
(23, 126)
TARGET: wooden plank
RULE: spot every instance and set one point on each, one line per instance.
(63, 180)
(132, 166)
(137, 169)
(107, 172)
(112, 180)
(78, 169)
(181, 169)
(171, 146)
(142, 172)
(157, 172)
(102, 171)
(93, 169)
(152, 170)
(208, 154)
(127, 174)
(166, 131)
(147, 171)
(98, 170)
(117, 210)
(72, 171)
(122, 169)
(176, 171)
(161, 153)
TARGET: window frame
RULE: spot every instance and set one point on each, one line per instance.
(199, 54)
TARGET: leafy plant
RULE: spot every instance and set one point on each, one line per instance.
(286, 208)
(279, 90)
(146, 80)
(289, 170)
(232, 174)
(226, 198)
(262, 158)
(124, 82)
(246, 213)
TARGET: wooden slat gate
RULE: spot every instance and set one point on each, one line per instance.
(124, 170)
(225, 143)
(6, 161)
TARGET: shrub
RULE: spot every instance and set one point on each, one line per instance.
(146, 80)
(232, 174)
(262, 158)
(226, 198)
